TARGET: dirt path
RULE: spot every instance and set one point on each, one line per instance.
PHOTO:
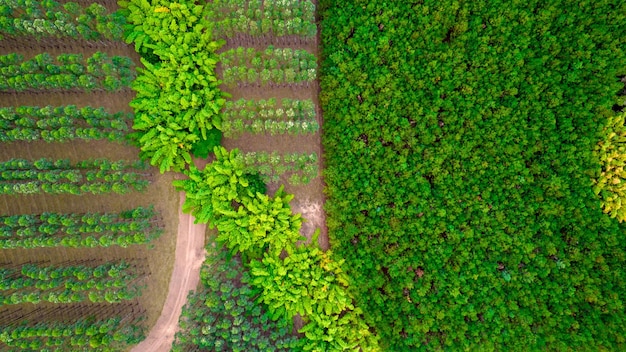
(189, 257)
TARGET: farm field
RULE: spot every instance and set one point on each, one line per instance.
(38, 134)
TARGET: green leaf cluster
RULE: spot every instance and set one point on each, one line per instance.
(248, 220)
(310, 283)
(459, 143)
(610, 184)
(178, 100)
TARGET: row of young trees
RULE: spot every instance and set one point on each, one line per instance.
(178, 101)
(234, 128)
(293, 109)
(66, 71)
(256, 18)
(90, 333)
(274, 66)
(301, 168)
(294, 117)
(135, 226)
(48, 18)
(61, 123)
(19, 176)
(31, 283)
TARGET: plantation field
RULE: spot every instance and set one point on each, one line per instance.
(155, 258)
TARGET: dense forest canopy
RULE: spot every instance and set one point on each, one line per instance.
(459, 139)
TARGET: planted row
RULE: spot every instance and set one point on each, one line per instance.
(292, 109)
(66, 71)
(260, 18)
(110, 283)
(134, 226)
(62, 123)
(273, 65)
(234, 128)
(42, 19)
(113, 334)
(19, 176)
(301, 167)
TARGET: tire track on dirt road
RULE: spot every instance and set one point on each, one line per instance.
(185, 277)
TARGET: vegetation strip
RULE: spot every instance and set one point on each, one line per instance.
(134, 226)
(66, 71)
(48, 18)
(61, 124)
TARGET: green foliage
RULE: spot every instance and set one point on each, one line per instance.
(459, 142)
(274, 66)
(178, 101)
(307, 282)
(611, 151)
(295, 117)
(42, 19)
(203, 147)
(113, 334)
(19, 176)
(135, 226)
(258, 18)
(223, 316)
(296, 168)
(111, 283)
(61, 123)
(310, 283)
(211, 192)
(68, 71)
(247, 220)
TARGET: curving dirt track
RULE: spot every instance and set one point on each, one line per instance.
(189, 257)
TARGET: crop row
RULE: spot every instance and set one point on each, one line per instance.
(90, 333)
(111, 282)
(301, 167)
(134, 226)
(280, 66)
(259, 18)
(294, 117)
(18, 176)
(254, 109)
(62, 123)
(49, 18)
(67, 71)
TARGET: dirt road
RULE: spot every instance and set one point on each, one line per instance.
(189, 257)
